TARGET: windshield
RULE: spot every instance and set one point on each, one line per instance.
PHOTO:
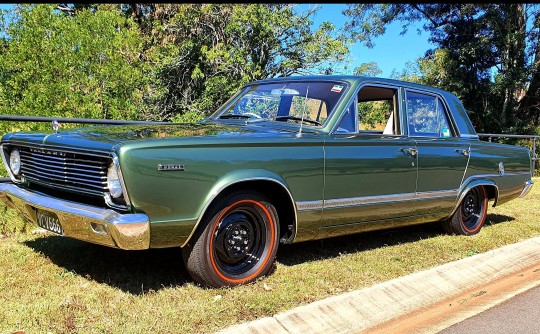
(309, 101)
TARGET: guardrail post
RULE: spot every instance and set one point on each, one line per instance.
(534, 153)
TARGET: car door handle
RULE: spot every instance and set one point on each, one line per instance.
(463, 151)
(410, 151)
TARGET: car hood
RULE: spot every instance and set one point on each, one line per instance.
(105, 138)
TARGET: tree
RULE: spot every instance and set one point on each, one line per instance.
(481, 56)
(152, 61)
(207, 51)
(368, 69)
(84, 65)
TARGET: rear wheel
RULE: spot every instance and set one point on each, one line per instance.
(238, 243)
(470, 215)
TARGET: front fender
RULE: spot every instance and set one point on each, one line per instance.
(236, 177)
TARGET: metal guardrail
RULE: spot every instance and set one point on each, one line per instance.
(70, 120)
(489, 136)
(73, 120)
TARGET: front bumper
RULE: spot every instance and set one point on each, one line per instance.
(83, 222)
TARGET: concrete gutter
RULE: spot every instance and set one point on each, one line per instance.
(360, 310)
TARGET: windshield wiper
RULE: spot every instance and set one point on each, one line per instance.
(228, 116)
(294, 118)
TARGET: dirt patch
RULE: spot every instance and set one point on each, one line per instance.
(463, 306)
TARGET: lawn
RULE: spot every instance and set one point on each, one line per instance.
(58, 285)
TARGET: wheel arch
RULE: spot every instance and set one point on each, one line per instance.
(264, 182)
(490, 187)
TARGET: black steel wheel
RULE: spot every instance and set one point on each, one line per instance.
(471, 213)
(238, 243)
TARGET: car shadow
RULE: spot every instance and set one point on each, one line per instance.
(494, 219)
(294, 254)
(135, 272)
(298, 253)
(144, 271)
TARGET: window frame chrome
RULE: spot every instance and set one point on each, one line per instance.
(397, 104)
(449, 116)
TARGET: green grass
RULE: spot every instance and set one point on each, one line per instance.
(59, 285)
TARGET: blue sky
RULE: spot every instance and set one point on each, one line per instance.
(391, 50)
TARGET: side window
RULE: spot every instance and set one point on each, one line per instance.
(348, 121)
(315, 109)
(377, 110)
(426, 116)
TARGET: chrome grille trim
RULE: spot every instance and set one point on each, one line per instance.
(38, 162)
(65, 170)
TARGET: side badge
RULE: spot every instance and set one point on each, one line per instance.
(501, 169)
(170, 167)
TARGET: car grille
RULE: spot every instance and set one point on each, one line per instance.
(71, 171)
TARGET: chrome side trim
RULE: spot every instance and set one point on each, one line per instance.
(369, 200)
(437, 194)
(223, 187)
(309, 205)
(526, 188)
(358, 201)
(81, 221)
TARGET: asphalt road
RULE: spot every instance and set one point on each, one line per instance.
(518, 315)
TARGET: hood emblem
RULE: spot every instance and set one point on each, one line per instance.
(501, 169)
(55, 126)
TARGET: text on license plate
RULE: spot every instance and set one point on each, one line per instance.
(49, 221)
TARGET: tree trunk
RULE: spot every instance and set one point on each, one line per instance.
(530, 104)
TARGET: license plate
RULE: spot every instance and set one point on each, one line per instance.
(49, 221)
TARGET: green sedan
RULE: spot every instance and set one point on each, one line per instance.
(283, 160)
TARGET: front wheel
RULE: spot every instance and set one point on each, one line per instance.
(238, 243)
(470, 215)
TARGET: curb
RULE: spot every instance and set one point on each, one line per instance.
(359, 310)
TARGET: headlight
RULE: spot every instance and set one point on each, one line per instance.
(15, 162)
(113, 182)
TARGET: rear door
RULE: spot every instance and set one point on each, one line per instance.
(442, 154)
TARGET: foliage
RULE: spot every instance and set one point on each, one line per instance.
(368, 69)
(84, 65)
(12, 222)
(151, 61)
(373, 114)
(208, 51)
(487, 54)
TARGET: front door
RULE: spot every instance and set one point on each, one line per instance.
(370, 164)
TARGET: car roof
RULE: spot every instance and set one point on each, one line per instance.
(351, 78)
(459, 113)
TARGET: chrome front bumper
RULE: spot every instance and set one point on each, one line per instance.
(526, 188)
(83, 222)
